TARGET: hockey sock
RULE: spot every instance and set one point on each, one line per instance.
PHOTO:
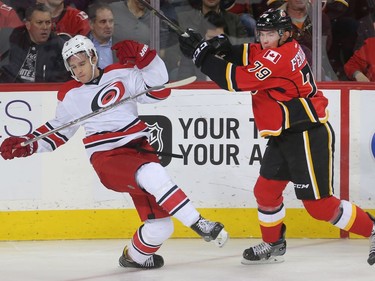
(149, 238)
(155, 180)
(341, 214)
(354, 219)
(271, 223)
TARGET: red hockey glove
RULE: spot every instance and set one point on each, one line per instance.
(129, 50)
(11, 147)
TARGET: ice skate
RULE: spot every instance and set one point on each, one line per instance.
(371, 257)
(211, 231)
(266, 252)
(154, 261)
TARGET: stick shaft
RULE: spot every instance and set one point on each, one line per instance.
(176, 84)
(157, 13)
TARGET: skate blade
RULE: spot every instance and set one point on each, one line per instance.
(271, 260)
(221, 239)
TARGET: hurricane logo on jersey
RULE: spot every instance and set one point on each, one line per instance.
(108, 95)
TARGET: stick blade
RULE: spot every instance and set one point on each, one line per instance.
(181, 83)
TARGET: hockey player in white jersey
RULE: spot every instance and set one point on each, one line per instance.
(116, 141)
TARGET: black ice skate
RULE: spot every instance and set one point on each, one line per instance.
(211, 231)
(154, 261)
(371, 257)
(266, 252)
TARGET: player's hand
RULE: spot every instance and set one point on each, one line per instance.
(11, 147)
(193, 46)
(220, 44)
(132, 51)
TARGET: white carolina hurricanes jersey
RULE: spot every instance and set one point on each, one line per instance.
(112, 128)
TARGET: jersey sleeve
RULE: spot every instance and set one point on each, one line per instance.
(53, 141)
(154, 74)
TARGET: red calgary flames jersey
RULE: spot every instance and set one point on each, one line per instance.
(284, 93)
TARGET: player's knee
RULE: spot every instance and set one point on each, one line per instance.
(325, 209)
(154, 179)
(156, 231)
(269, 192)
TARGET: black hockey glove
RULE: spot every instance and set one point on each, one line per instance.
(193, 46)
(220, 44)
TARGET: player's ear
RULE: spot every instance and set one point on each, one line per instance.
(286, 34)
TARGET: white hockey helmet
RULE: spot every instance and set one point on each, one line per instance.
(75, 45)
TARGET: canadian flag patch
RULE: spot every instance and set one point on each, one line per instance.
(272, 56)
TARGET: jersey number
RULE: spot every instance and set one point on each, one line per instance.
(261, 72)
(309, 78)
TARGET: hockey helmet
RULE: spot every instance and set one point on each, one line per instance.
(274, 20)
(75, 45)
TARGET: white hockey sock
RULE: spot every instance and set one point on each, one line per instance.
(149, 238)
(155, 180)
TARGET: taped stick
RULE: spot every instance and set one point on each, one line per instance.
(157, 13)
(176, 84)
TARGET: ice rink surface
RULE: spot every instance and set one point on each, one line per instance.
(185, 260)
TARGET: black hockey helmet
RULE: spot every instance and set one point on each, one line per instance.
(274, 20)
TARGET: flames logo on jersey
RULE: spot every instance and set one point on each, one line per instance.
(108, 95)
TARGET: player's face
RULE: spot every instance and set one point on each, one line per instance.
(82, 68)
(269, 38)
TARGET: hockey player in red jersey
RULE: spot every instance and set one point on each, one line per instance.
(117, 142)
(290, 110)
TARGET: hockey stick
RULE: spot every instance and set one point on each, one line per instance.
(157, 13)
(176, 84)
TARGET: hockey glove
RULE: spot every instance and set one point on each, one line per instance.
(193, 46)
(132, 51)
(11, 147)
(220, 44)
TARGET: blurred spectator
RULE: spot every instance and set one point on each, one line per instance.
(334, 8)
(259, 7)
(20, 6)
(132, 22)
(366, 24)
(300, 13)
(349, 31)
(102, 26)
(194, 19)
(81, 5)
(66, 19)
(8, 20)
(244, 10)
(8, 17)
(215, 25)
(35, 51)
(361, 66)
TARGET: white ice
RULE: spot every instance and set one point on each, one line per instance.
(185, 260)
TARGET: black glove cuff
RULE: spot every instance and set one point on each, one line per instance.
(201, 52)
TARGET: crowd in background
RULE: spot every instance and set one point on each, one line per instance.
(32, 33)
